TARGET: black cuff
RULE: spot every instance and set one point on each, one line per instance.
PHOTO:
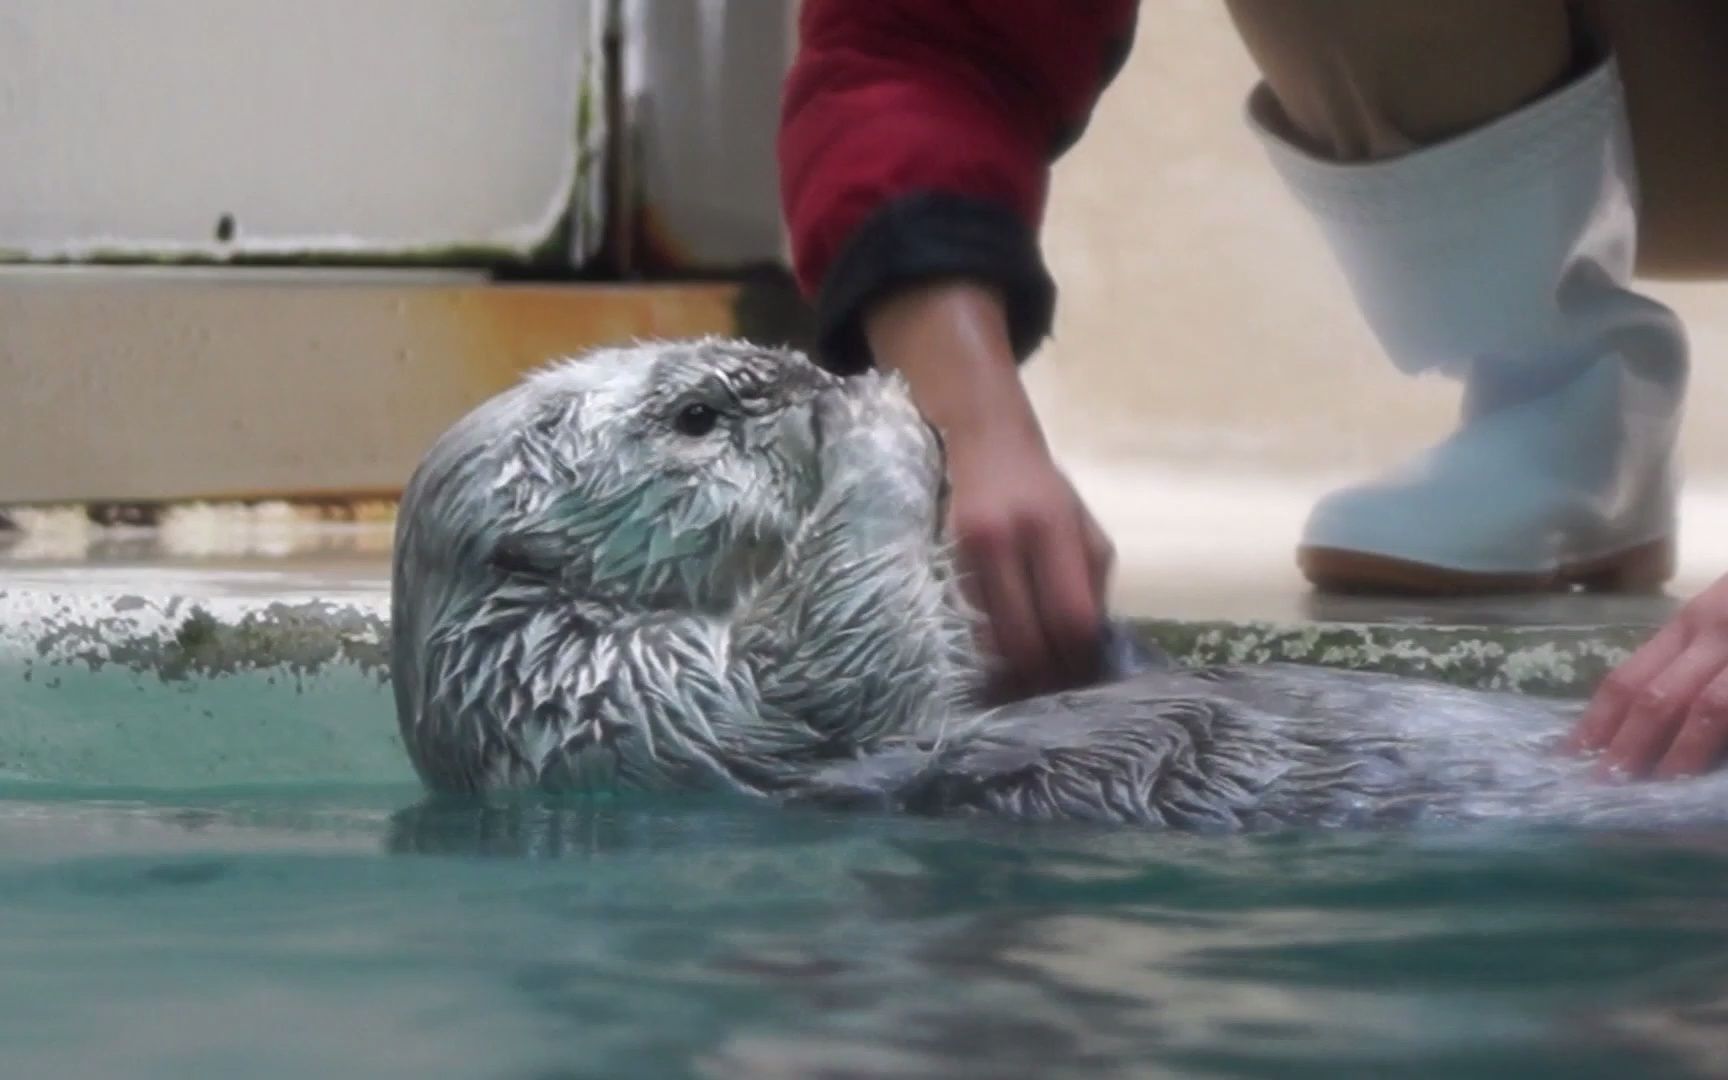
(931, 235)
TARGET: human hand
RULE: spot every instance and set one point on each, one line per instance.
(1664, 712)
(1033, 561)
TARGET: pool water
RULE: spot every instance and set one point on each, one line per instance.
(343, 932)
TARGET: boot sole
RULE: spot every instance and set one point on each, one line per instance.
(1645, 568)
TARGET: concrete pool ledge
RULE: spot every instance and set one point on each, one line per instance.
(196, 691)
(179, 689)
(181, 638)
(1566, 661)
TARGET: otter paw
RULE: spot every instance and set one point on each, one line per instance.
(874, 422)
(881, 458)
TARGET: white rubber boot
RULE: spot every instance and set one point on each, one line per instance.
(1502, 258)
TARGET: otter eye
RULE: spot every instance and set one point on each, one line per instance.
(511, 559)
(696, 420)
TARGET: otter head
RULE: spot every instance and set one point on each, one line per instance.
(657, 476)
(624, 483)
(660, 477)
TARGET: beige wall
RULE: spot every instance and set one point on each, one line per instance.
(1201, 321)
(184, 384)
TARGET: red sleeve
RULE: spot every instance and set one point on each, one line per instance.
(916, 140)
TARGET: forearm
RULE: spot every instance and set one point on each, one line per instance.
(950, 341)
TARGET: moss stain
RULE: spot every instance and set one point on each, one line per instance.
(1560, 661)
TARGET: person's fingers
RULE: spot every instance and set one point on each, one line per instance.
(992, 548)
(1069, 610)
(1100, 555)
(1613, 700)
(971, 584)
(1704, 734)
(1656, 711)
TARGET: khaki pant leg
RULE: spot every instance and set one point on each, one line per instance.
(1365, 80)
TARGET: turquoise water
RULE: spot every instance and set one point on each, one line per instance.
(345, 933)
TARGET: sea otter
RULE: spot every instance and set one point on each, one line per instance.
(709, 564)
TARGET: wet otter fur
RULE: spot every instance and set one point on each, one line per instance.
(707, 564)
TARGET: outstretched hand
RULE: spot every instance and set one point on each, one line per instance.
(1033, 561)
(1664, 712)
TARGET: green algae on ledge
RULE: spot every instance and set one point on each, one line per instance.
(296, 639)
(1564, 661)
